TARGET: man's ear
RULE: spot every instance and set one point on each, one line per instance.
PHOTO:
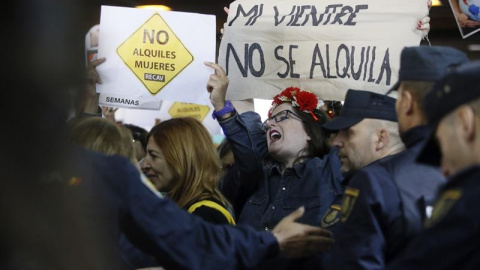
(466, 120)
(383, 136)
(407, 102)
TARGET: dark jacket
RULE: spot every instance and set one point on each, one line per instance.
(118, 199)
(384, 206)
(450, 239)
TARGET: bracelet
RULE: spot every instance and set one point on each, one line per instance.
(228, 108)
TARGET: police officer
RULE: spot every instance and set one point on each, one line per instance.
(450, 239)
(420, 67)
(384, 202)
(175, 238)
(367, 134)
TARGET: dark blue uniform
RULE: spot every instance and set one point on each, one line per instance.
(451, 238)
(383, 207)
(118, 199)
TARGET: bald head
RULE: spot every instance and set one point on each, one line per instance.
(366, 142)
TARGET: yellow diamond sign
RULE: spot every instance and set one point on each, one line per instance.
(181, 109)
(155, 54)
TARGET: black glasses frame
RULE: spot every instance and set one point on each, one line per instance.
(279, 117)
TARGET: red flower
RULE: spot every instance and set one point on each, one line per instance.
(290, 92)
(276, 100)
(285, 96)
(306, 101)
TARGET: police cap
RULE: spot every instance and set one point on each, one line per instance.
(459, 86)
(427, 63)
(361, 104)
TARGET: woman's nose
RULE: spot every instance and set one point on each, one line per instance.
(268, 124)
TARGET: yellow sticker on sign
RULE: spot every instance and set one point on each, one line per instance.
(181, 109)
(155, 54)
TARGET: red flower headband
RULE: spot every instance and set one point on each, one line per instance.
(306, 101)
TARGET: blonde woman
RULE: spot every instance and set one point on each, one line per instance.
(182, 161)
(102, 135)
(99, 134)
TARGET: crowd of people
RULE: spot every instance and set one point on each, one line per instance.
(388, 181)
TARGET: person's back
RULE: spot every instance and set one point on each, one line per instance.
(123, 204)
(104, 136)
(417, 184)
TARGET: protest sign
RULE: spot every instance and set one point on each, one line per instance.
(154, 55)
(182, 109)
(326, 47)
(170, 109)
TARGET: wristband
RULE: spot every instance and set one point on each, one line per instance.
(228, 108)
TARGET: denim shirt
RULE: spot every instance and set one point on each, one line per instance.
(313, 183)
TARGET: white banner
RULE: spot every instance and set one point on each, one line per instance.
(326, 47)
(154, 55)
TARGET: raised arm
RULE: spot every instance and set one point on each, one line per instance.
(246, 138)
(89, 100)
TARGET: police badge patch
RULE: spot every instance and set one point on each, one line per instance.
(331, 217)
(443, 205)
(348, 201)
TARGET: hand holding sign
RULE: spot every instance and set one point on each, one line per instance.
(90, 96)
(109, 113)
(223, 28)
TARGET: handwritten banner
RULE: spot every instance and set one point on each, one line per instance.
(326, 47)
(153, 56)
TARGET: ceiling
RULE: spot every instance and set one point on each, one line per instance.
(444, 30)
(214, 7)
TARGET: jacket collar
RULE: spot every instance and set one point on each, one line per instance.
(415, 135)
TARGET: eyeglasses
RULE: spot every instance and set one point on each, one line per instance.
(279, 117)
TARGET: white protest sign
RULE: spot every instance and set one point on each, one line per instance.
(326, 47)
(154, 55)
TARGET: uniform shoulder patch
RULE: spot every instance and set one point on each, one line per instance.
(348, 201)
(332, 216)
(447, 199)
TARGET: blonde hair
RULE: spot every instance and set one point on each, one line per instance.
(101, 135)
(190, 153)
